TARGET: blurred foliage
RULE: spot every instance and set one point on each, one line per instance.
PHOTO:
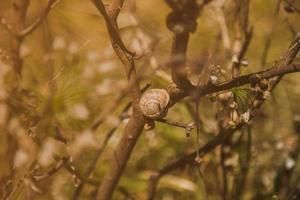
(71, 75)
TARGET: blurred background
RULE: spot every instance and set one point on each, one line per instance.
(72, 95)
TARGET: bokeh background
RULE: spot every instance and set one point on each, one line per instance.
(72, 79)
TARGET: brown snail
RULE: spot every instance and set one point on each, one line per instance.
(153, 103)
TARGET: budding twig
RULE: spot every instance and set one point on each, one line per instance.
(224, 134)
(188, 127)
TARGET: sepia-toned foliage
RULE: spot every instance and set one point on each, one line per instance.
(168, 99)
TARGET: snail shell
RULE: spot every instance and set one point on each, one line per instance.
(154, 102)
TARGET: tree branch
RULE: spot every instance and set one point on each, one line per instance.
(187, 159)
(226, 132)
(182, 21)
(178, 58)
(103, 145)
(246, 79)
(111, 23)
(136, 123)
(66, 164)
(279, 71)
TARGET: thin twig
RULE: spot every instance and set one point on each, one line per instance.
(103, 145)
(224, 134)
(187, 159)
(223, 26)
(69, 167)
(176, 124)
(246, 79)
(51, 172)
(30, 28)
(242, 35)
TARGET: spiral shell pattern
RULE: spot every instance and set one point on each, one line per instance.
(154, 102)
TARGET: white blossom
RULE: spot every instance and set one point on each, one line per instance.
(214, 79)
(245, 117)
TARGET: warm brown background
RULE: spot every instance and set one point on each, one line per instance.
(72, 49)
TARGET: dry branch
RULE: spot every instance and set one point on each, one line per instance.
(14, 27)
(136, 123)
(186, 159)
(227, 132)
(103, 145)
(182, 21)
(184, 87)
